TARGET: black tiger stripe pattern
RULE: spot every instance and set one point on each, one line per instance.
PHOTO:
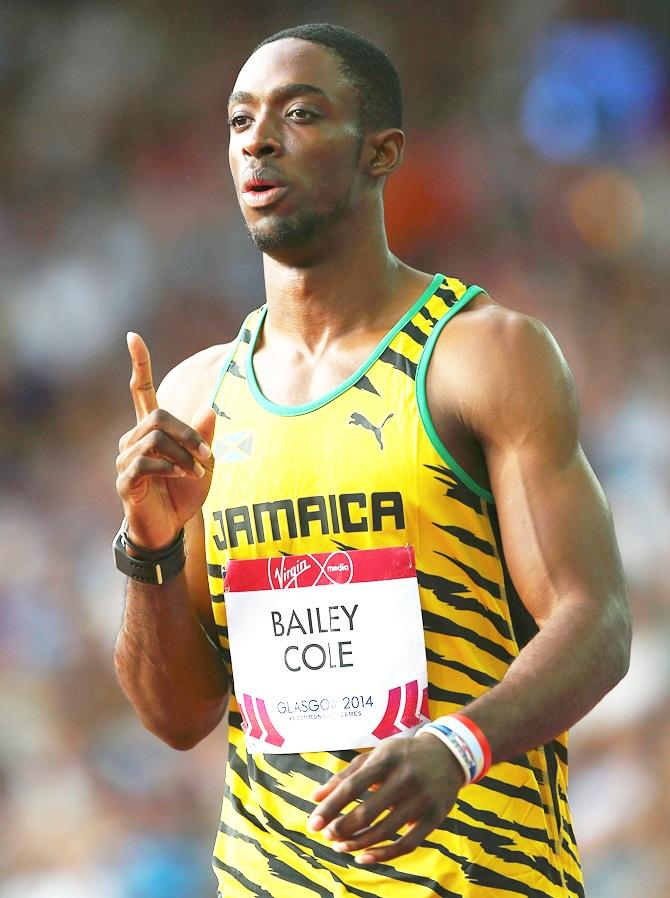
(510, 834)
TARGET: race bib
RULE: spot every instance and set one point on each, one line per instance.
(327, 650)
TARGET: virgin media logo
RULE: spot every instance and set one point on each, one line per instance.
(285, 573)
(290, 574)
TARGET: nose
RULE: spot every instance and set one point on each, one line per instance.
(259, 142)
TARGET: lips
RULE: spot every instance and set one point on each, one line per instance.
(260, 189)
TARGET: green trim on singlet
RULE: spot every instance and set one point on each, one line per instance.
(422, 401)
(227, 360)
(291, 410)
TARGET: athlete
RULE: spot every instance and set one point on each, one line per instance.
(408, 416)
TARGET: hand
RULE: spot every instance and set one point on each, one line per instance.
(164, 466)
(415, 779)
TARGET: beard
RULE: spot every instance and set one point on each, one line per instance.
(298, 231)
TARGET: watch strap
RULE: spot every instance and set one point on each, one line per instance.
(148, 565)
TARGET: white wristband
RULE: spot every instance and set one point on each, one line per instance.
(453, 723)
(466, 741)
(454, 744)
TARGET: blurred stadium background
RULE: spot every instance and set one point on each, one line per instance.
(538, 166)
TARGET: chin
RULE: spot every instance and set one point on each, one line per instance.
(287, 233)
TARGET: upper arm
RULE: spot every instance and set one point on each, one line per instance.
(186, 389)
(556, 527)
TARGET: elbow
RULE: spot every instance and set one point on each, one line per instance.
(617, 668)
(620, 646)
(178, 741)
(623, 662)
(179, 719)
(182, 737)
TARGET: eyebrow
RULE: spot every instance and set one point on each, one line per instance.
(279, 93)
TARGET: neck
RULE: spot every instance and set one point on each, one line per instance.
(333, 288)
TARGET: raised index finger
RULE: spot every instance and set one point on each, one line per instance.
(141, 382)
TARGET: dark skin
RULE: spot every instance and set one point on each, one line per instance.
(513, 426)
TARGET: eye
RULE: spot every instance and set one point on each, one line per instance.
(301, 114)
(239, 120)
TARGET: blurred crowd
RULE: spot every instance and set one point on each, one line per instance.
(538, 165)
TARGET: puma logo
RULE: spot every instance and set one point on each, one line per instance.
(357, 418)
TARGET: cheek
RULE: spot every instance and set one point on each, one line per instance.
(330, 170)
(233, 162)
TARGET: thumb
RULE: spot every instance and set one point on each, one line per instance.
(203, 421)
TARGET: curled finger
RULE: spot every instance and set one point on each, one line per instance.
(145, 466)
(132, 483)
(157, 442)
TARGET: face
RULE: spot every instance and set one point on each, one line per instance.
(295, 144)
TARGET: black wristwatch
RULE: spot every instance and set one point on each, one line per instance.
(146, 565)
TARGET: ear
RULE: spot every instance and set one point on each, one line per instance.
(386, 152)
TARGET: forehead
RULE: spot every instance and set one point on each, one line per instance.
(293, 61)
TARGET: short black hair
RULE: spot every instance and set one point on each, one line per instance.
(368, 68)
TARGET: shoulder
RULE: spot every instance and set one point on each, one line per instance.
(190, 384)
(504, 371)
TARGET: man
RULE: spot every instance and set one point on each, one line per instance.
(368, 406)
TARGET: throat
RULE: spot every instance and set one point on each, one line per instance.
(295, 379)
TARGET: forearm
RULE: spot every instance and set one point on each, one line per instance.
(557, 678)
(167, 666)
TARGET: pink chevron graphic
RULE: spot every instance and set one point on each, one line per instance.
(386, 726)
(409, 718)
(273, 737)
(254, 730)
(245, 719)
(390, 724)
(424, 704)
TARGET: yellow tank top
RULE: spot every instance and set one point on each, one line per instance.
(360, 468)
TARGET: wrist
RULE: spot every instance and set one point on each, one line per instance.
(465, 740)
(452, 761)
(140, 545)
(152, 566)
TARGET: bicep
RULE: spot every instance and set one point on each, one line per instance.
(556, 527)
(555, 522)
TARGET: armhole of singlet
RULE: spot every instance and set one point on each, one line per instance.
(228, 359)
(422, 400)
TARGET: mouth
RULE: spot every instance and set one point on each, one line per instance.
(259, 192)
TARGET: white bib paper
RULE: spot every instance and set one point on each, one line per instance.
(327, 650)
